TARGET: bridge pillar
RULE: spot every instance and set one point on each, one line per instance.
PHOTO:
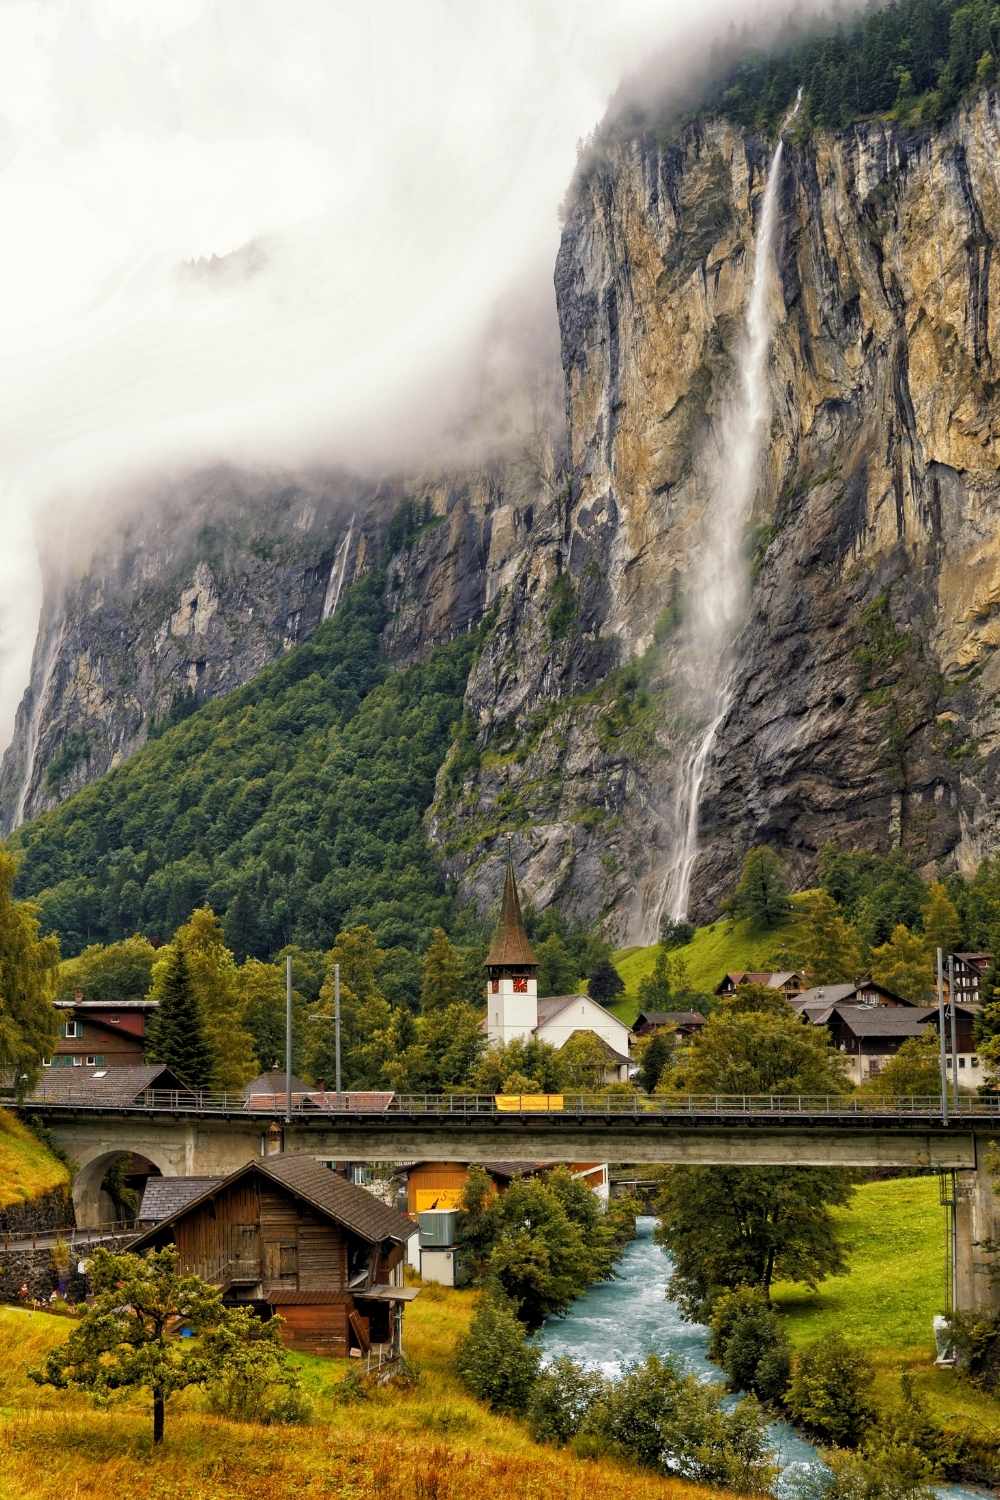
(977, 1235)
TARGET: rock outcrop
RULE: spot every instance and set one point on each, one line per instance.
(865, 709)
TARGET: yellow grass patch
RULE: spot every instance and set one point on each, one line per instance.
(27, 1167)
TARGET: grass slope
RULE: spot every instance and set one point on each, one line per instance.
(433, 1443)
(712, 952)
(27, 1167)
(887, 1301)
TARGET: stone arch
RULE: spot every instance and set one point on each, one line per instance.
(88, 1209)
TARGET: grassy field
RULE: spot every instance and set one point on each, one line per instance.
(27, 1168)
(887, 1301)
(433, 1443)
(712, 952)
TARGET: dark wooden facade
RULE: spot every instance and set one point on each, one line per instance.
(322, 1253)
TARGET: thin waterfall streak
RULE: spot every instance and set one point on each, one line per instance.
(337, 570)
(38, 703)
(719, 578)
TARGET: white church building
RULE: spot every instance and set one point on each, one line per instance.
(514, 1010)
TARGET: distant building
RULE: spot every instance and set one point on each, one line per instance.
(970, 970)
(789, 981)
(514, 1010)
(434, 1193)
(285, 1235)
(684, 1022)
(866, 992)
(100, 1033)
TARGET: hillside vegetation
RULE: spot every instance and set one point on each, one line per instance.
(714, 950)
(293, 804)
(433, 1443)
(27, 1167)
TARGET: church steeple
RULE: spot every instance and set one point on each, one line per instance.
(511, 967)
(510, 945)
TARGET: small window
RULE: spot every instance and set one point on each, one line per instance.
(72, 1028)
(102, 1074)
(288, 1260)
(46, 1062)
(78, 1062)
(974, 1062)
(91, 1061)
(961, 1062)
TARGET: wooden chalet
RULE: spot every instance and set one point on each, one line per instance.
(100, 1033)
(286, 1235)
(970, 971)
(790, 982)
(684, 1022)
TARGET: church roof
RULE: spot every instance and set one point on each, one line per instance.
(510, 945)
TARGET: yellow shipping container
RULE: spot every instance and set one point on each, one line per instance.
(519, 1102)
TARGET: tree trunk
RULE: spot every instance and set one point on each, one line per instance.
(158, 1405)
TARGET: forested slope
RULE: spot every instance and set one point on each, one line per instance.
(294, 805)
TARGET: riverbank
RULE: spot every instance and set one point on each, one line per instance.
(623, 1321)
(895, 1233)
(432, 1441)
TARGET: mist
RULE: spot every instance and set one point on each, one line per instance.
(283, 234)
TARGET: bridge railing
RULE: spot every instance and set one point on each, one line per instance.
(580, 1105)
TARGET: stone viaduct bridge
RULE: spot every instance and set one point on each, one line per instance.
(187, 1134)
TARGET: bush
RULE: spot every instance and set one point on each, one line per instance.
(830, 1391)
(750, 1344)
(976, 1340)
(674, 1424)
(494, 1359)
(561, 1400)
(879, 1471)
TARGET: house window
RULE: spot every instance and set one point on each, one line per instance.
(78, 1062)
(961, 1062)
(288, 1260)
(91, 1061)
(46, 1062)
(974, 1062)
(71, 1029)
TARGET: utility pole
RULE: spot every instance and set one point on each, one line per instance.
(288, 1039)
(944, 1053)
(954, 1030)
(336, 1028)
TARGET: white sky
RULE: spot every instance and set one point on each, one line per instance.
(401, 162)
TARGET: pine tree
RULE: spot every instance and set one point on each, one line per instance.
(605, 982)
(762, 894)
(441, 982)
(176, 1036)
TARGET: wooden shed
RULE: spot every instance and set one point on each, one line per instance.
(290, 1236)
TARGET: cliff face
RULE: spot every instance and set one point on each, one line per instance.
(867, 674)
(866, 683)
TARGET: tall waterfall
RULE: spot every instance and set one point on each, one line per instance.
(717, 593)
(39, 700)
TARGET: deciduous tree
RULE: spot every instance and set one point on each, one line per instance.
(28, 969)
(904, 965)
(726, 1227)
(126, 1338)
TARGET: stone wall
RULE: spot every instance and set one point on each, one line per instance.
(52, 1210)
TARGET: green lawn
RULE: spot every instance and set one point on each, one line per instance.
(895, 1233)
(712, 952)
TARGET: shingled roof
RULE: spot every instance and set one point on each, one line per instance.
(163, 1196)
(510, 946)
(107, 1086)
(327, 1192)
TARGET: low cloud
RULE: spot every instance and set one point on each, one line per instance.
(270, 234)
